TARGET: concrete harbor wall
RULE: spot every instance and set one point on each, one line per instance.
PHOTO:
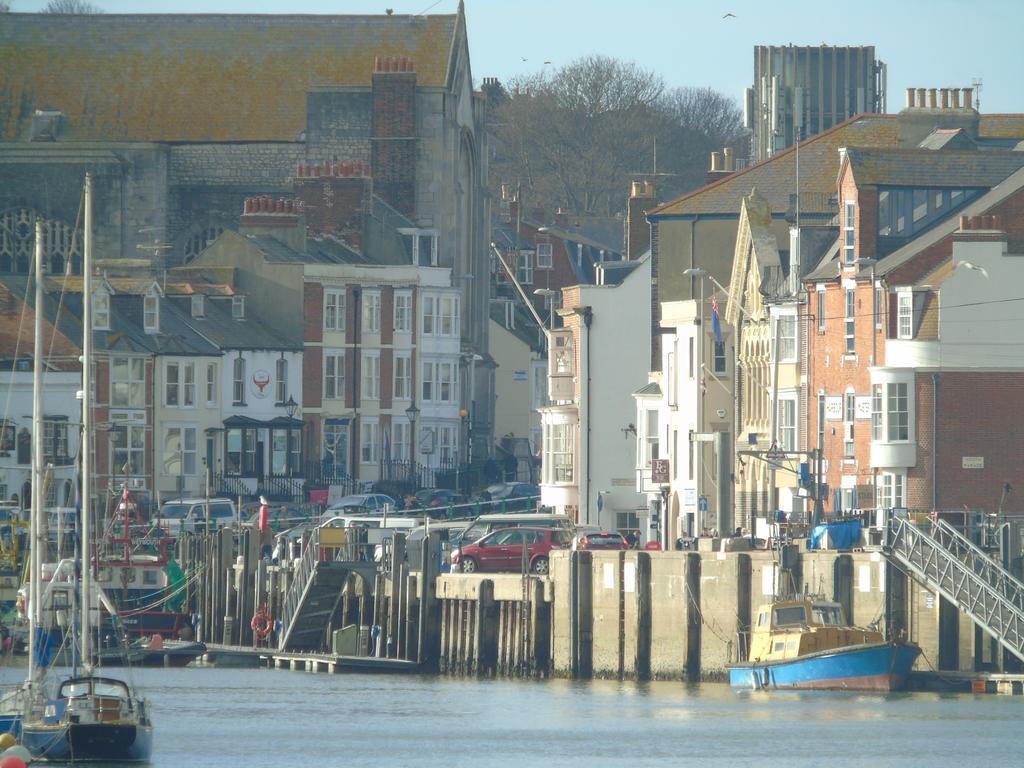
(631, 615)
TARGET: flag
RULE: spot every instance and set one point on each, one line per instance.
(715, 324)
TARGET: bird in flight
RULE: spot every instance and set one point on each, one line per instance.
(729, 15)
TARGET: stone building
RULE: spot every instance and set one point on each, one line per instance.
(182, 117)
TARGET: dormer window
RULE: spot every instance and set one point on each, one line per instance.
(101, 310)
(151, 311)
(198, 305)
(420, 246)
(238, 307)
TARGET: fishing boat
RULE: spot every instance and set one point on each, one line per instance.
(806, 643)
(91, 717)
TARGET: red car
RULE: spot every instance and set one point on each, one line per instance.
(503, 550)
(603, 540)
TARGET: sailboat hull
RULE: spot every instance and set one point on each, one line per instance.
(118, 742)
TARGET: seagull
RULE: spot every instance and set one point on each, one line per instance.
(729, 15)
(975, 267)
(523, 58)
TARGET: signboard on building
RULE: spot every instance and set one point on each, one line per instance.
(689, 498)
(518, 375)
(864, 408)
(972, 462)
(834, 408)
(660, 472)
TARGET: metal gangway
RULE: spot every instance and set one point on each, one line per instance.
(316, 588)
(945, 561)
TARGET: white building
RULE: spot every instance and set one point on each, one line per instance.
(597, 361)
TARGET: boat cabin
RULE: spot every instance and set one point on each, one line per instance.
(787, 629)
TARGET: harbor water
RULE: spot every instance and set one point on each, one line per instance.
(231, 718)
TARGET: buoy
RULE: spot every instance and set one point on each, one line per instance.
(17, 752)
(7, 740)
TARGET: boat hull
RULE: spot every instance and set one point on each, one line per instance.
(880, 667)
(114, 742)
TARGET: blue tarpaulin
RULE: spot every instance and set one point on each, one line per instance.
(841, 535)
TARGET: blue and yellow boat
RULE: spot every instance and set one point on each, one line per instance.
(805, 643)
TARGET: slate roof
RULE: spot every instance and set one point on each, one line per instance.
(223, 330)
(276, 252)
(210, 77)
(775, 178)
(933, 169)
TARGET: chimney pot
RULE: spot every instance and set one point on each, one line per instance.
(955, 94)
(728, 158)
(248, 205)
(920, 97)
(968, 98)
(944, 96)
(716, 161)
(964, 223)
(997, 222)
(910, 98)
(989, 222)
(280, 205)
(931, 99)
(298, 170)
(975, 222)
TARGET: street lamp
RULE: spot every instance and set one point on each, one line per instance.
(411, 413)
(290, 407)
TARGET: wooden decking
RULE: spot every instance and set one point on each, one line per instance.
(238, 656)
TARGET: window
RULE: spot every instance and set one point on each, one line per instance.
(525, 267)
(540, 386)
(179, 451)
(403, 312)
(848, 234)
(651, 438)
(127, 382)
(7, 430)
(821, 422)
(369, 440)
(879, 298)
(905, 315)
(101, 310)
(402, 385)
(428, 382)
(238, 382)
(400, 434)
(849, 415)
(285, 458)
(371, 312)
(335, 447)
(920, 204)
(439, 382)
(559, 452)
(691, 356)
(785, 330)
(420, 246)
(55, 442)
(719, 358)
(127, 450)
(428, 316)
(892, 490)
(445, 382)
(447, 443)
(787, 424)
(876, 412)
(211, 384)
(334, 310)
(544, 251)
(180, 389)
(449, 316)
(897, 412)
(198, 305)
(240, 452)
(151, 311)
(371, 375)
(282, 380)
(334, 375)
(851, 316)
(238, 307)
(821, 311)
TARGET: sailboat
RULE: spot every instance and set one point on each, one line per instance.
(91, 717)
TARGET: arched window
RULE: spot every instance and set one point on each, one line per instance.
(61, 243)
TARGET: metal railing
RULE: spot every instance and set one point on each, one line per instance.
(301, 580)
(946, 561)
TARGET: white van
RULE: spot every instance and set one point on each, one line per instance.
(378, 527)
(189, 516)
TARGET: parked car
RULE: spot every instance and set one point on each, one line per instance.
(373, 502)
(510, 497)
(437, 497)
(504, 550)
(487, 523)
(602, 540)
(189, 515)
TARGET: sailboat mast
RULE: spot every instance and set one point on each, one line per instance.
(87, 429)
(36, 529)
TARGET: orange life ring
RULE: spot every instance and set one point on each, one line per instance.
(262, 623)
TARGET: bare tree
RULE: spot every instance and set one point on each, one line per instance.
(574, 138)
(5, 7)
(71, 7)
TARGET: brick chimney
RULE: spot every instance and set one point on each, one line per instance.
(931, 109)
(638, 230)
(335, 198)
(281, 219)
(722, 164)
(393, 132)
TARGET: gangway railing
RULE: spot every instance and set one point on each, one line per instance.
(947, 562)
(301, 580)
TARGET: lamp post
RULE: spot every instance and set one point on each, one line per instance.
(411, 413)
(463, 429)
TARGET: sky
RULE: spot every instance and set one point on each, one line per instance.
(925, 43)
